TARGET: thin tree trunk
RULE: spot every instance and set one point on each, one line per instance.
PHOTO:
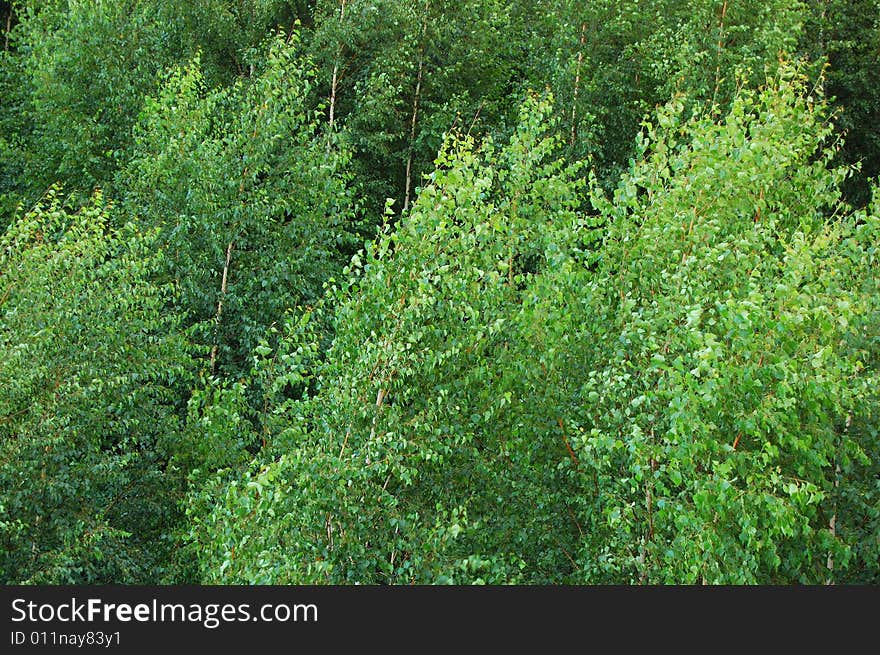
(823, 49)
(646, 539)
(832, 524)
(415, 109)
(412, 136)
(577, 85)
(333, 95)
(718, 55)
(223, 288)
(380, 398)
(334, 82)
(8, 29)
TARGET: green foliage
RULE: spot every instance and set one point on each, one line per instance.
(722, 378)
(625, 332)
(509, 399)
(227, 31)
(92, 371)
(857, 501)
(80, 73)
(408, 72)
(77, 74)
(614, 62)
(252, 199)
(414, 457)
(846, 33)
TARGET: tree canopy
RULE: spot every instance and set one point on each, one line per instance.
(439, 292)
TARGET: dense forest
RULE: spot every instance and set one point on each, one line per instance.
(423, 292)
